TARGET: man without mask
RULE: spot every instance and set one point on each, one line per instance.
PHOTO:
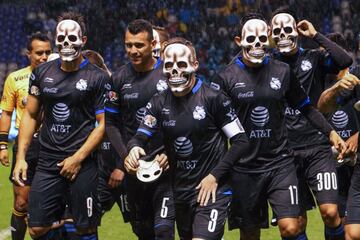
(311, 68)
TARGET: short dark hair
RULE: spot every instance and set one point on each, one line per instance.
(163, 33)
(184, 42)
(339, 39)
(247, 17)
(37, 36)
(75, 16)
(285, 9)
(141, 25)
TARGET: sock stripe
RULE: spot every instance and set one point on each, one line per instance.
(19, 214)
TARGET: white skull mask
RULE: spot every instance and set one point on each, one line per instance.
(69, 39)
(148, 171)
(284, 32)
(254, 40)
(157, 48)
(179, 68)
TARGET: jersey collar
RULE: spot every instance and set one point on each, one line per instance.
(240, 63)
(157, 64)
(197, 85)
(82, 64)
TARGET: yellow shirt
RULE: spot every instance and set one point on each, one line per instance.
(16, 92)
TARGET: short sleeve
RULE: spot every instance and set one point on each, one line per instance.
(101, 91)
(8, 99)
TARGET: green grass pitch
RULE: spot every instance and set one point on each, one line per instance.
(113, 228)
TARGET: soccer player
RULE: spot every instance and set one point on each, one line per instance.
(195, 122)
(312, 151)
(71, 92)
(111, 170)
(15, 97)
(151, 204)
(259, 87)
(346, 91)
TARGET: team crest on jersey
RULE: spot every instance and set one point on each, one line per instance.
(34, 90)
(275, 83)
(306, 65)
(81, 85)
(112, 96)
(231, 114)
(199, 113)
(150, 121)
(161, 85)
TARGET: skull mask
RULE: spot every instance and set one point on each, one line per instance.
(284, 32)
(254, 40)
(157, 48)
(179, 66)
(69, 40)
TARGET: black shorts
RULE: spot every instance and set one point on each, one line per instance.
(344, 174)
(253, 191)
(353, 202)
(108, 196)
(32, 156)
(50, 192)
(317, 167)
(207, 222)
(151, 205)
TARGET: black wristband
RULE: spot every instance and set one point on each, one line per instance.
(4, 138)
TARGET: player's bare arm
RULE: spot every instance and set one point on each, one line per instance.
(26, 131)
(5, 122)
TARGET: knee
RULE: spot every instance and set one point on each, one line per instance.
(37, 232)
(330, 215)
(289, 229)
(164, 232)
(21, 204)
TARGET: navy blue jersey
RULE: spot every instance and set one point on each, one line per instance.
(130, 93)
(193, 137)
(71, 101)
(260, 96)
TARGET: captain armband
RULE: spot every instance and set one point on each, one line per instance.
(233, 128)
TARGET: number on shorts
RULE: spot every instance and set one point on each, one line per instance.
(326, 181)
(294, 194)
(213, 218)
(164, 208)
(89, 204)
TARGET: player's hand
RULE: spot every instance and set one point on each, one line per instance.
(70, 167)
(163, 161)
(338, 143)
(208, 187)
(352, 144)
(116, 178)
(131, 162)
(348, 82)
(20, 172)
(4, 157)
(306, 29)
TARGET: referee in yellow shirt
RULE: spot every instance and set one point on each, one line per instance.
(14, 97)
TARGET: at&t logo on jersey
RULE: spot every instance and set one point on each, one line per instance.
(183, 147)
(61, 113)
(275, 83)
(260, 117)
(306, 65)
(161, 85)
(81, 85)
(199, 113)
(140, 114)
(340, 120)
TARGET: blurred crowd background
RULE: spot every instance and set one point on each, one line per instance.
(209, 24)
